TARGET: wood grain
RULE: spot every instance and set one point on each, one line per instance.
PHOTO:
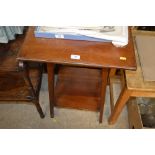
(92, 54)
(78, 88)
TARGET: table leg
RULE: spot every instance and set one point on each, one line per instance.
(104, 78)
(112, 72)
(122, 100)
(35, 97)
(50, 71)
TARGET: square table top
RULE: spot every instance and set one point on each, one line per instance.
(90, 53)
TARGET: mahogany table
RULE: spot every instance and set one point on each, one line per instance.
(84, 68)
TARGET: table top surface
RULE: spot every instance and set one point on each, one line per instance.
(92, 53)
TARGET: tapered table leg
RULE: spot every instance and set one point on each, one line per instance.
(122, 100)
(104, 79)
(50, 71)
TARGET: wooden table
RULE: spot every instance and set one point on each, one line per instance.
(96, 58)
(133, 86)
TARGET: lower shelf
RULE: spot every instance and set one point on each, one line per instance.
(78, 88)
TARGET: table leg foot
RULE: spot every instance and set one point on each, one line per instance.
(52, 114)
(39, 109)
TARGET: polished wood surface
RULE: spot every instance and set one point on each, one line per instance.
(92, 54)
(104, 78)
(78, 88)
(50, 71)
(81, 88)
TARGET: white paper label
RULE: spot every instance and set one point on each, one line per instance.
(59, 36)
(77, 57)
